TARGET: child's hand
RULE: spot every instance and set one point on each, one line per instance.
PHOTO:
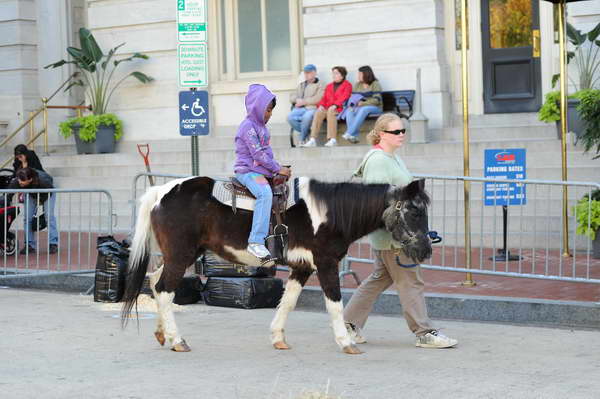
(285, 171)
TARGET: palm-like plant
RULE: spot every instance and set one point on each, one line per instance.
(97, 70)
(586, 56)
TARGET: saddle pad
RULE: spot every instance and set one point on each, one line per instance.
(222, 192)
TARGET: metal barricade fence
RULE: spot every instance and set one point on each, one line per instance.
(137, 189)
(533, 230)
(66, 245)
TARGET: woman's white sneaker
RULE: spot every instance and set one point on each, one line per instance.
(435, 339)
(310, 143)
(331, 143)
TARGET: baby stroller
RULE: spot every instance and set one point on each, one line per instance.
(8, 213)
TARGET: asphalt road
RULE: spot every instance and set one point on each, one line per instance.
(60, 345)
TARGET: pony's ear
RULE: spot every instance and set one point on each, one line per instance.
(414, 188)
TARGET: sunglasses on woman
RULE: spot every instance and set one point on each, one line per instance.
(396, 132)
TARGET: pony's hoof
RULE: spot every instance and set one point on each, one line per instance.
(281, 345)
(352, 350)
(181, 347)
(160, 337)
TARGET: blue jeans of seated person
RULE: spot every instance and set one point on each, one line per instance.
(300, 119)
(354, 119)
(29, 211)
(259, 186)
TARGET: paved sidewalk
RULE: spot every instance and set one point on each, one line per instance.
(61, 345)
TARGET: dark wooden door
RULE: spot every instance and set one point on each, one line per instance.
(511, 55)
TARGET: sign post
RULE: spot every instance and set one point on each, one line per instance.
(192, 57)
(505, 164)
(194, 119)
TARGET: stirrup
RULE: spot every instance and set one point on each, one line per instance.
(264, 262)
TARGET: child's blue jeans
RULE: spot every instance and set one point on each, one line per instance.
(259, 186)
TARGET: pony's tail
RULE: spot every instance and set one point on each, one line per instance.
(139, 257)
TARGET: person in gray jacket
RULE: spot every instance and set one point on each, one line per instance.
(305, 100)
(30, 178)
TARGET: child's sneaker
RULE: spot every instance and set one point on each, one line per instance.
(258, 250)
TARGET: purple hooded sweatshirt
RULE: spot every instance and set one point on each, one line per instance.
(252, 141)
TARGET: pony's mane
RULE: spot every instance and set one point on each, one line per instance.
(353, 209)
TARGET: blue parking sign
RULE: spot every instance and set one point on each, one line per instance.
(505, 164)
(193, 113)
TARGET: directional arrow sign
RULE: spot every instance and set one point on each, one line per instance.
(191, 20)
(192, 65)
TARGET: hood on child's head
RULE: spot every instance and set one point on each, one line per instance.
(257, 101)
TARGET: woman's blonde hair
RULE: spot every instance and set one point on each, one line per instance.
(381, 124)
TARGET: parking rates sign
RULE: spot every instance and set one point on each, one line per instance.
(505, 164)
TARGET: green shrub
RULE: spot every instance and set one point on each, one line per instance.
(589, 110)
(588, 214)
(88, 126)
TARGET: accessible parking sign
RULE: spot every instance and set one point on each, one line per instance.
(193, 113)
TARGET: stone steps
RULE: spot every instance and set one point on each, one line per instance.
(115, 172)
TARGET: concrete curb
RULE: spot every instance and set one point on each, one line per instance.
(61, 282)
(479, 308)
(440, 306)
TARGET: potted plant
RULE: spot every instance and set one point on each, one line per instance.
(96, 71)
(586, 57)
(89, 135)
(587, 211)
(550, 112)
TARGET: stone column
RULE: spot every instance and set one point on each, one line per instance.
(55, 33)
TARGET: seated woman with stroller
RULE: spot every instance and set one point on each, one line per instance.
(30, 178)
(24, 157)
(369, 103)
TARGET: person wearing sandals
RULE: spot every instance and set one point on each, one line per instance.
(382, 165)
(305, 100)
(336, 94)
(370, 103)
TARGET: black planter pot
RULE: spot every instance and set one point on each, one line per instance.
(596, 246)
(105, 139)
(574, 122)
(83, 147)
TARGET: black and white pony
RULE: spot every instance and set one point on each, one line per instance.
(186, 220)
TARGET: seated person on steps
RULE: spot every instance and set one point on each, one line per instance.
(336, 94)
(370, 103)
(305, 100)
(255, 162)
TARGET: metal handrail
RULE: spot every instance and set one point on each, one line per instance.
(31, 140)
(34, 114)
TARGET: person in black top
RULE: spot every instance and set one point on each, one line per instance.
(30, 178)
(25, 157)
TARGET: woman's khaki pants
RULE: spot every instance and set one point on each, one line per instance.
(408, 283)
(331, 115)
